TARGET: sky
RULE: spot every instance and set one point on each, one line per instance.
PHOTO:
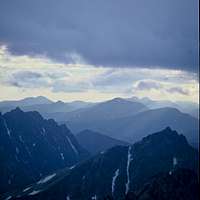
(97, 50)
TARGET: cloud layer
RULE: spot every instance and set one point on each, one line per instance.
(18, 78)
(131, 33)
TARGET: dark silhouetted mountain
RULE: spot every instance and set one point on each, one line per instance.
(95, 142)
(133, 128)
(181, 184)
(117, 171)
(31, 147)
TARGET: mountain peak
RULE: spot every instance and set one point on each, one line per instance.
(17, 110)
(166, 136)
(59, 102)
(167, 129)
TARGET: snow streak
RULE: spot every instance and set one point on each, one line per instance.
(72, 146)
(175, 162)
(26, 189)
(35, 192)
(129, 159)
(114, 180)
(9, 197)
(7, 129)
(46, 179)
(62, 156)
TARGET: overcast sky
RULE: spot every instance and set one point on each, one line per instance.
(96, 50)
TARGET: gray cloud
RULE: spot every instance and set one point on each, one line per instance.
(109, 33)
(178, 90)
(148, 85)
(54, 81)
(63, 86)
(27, 79)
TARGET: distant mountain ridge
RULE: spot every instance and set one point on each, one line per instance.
(119, 170)
(133, 128)
(29, 101)
(95, 142)
(43, 105)
(31, 147)
(184, 106)
(112, 109)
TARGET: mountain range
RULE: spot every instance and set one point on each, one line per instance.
(123, 119)
(31, 147)
(123, 170)
(184, 106)
(43, 105)
(132, 128)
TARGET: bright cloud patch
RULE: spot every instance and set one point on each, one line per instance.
(23, 76)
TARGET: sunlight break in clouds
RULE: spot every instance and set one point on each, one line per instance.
(23, 76)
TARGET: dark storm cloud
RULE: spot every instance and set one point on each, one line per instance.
(110, 33)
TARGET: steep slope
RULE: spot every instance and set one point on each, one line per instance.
(31, 147)
(181, 184)
(95, 142)
(133, 128)
(117, 171)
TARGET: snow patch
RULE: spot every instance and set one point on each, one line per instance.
(94, 197)
(26, 189)
(72, 146)
(62, 156)
(7, 129)
(9, 197)
(129, 159)
(175, 161)
(72, 167)
(68, 198)
(21, 139)
(17, 150)
(34, 192)
(46, 179)
(114, 180)
(43, 131)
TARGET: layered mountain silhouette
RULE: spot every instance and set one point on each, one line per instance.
(46, 107)
(112, 109)
(95, 142)
(6, 106)
(122, 170)
(184, 106)
(31, 147)
(123, 119)
(133, 128)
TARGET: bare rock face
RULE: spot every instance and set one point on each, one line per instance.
(31, 147)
